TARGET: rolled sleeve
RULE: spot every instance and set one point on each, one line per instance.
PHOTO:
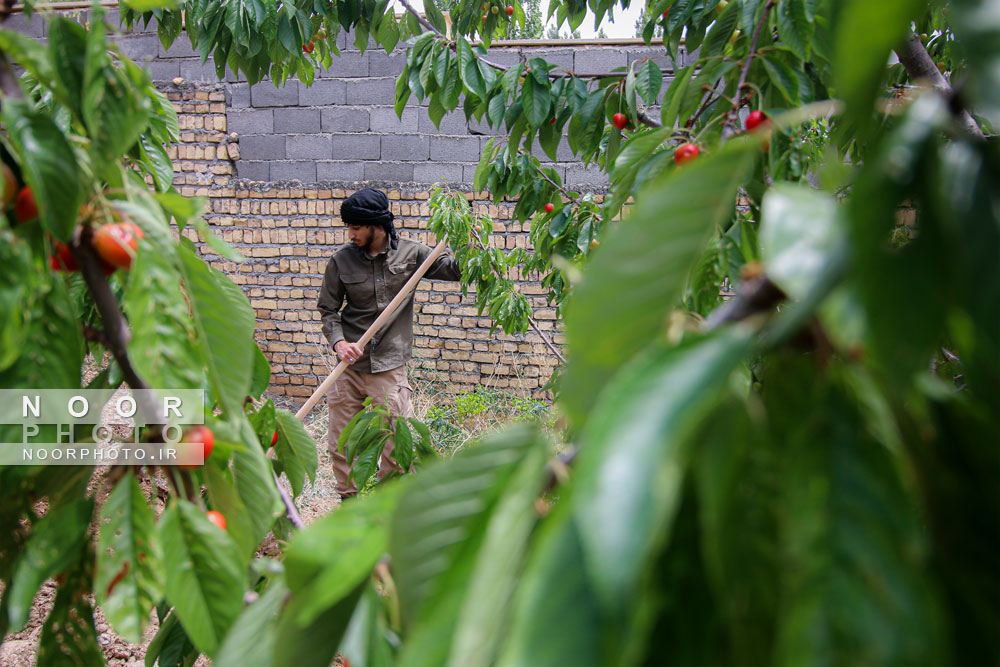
(444, 267)
(331, 300)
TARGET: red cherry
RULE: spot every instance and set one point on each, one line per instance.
(552, 121)
(484, 18)
(549, 207)
(308, 48)
(510, 10)
(619, 120)
(756, 119)
(666, 12)
(25, 207)
(63, 260)
(686, 153)
(274, 439)
(199, 434)
(218, 518)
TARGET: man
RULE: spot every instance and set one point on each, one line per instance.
(367, 273)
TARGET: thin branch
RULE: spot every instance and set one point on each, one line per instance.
(728, 129)
(290, 510)
(531, 320)
(546, 339)
(919, 65)
(648, 121)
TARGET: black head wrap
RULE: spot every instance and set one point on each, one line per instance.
(370, 207)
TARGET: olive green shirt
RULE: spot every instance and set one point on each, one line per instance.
(368, 284)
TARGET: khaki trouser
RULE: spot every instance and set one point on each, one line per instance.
(345, 398)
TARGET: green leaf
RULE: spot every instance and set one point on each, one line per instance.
(15, 297)
(159, 163)
(316, 644)
(147, 5)
(633, 457)
(469, 69)
(328, 560)
(402, 445)
(537, 100)
(799, 229)
(448, 541)
(161, 349)
(721, 31)
(224, 497)
(483, 615)
(674, 98)
(296, 450)
(794, 27)
(251, 641)
(49, 167)
(648, 81)
(481, 169)
(170, 645)
(854, 544)
(388, 32)
(642, 291)
(69, 636)
(435, 16)
(127, 585)
(554, 589)
(224, 321)
(858, 65)
(445, 515)
(976, 32)
(205, 576)
(30, 54)
(56, 542)
(783, 78)
(261, 373)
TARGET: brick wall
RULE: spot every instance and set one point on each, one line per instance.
(288, 233)
(275, 165)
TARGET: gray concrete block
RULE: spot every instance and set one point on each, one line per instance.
(657, 56)
(340, 171)
(181, 48)
(349, 64)
(344, 120)
(598, 60)
(562, 58)
(564, 153)
(323, 92)
(251, 121)
(238, 95)
(379, 64)
(193, 70)
(388, 171)
(406, 147)
(342, 40)
(254, 171)
(296, 121)
(435, 172)
(164, 70)
(308, 146)
(482, 127)
(469, 173)
(580, 175)
(139, 47)
(455, 149)
(263, 147)
(384, 119)
(451, 124)
(294, 171)
(507, 57)
(356, 147)
(35, 27)
(264, 94)
(371, 91)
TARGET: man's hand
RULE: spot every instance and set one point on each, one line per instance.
(348, 352)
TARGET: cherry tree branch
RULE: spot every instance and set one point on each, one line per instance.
(729, 128)
(913, 56)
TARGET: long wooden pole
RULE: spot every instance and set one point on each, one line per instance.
(380, 321)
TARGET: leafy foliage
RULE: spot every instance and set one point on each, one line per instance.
(799, 472)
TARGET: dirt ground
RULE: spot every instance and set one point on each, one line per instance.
(19, 648)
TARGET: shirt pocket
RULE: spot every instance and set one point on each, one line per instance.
(360, 291)
(399, 273)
